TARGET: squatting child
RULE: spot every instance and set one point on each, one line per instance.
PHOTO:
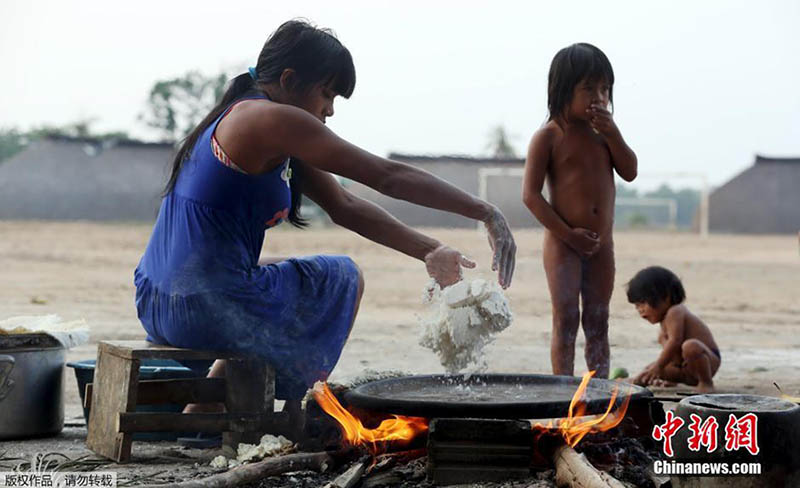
(578, 150)
(689, 355)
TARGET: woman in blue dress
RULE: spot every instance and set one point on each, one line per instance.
(243, 170)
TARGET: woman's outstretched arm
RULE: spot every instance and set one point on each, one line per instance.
(298, 133)
(279, 129)
(376, 224)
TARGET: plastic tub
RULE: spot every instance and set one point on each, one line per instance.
(150, 369)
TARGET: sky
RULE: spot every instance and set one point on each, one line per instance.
(701, 87)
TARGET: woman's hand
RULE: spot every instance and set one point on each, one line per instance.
(444, 265)
(503, 247)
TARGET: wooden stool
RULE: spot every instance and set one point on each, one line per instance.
(247, 390)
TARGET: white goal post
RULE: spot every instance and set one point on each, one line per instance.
(670, 203)
(672, 207)
(701, 179)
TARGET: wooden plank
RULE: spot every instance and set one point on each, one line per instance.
(185, 390)
(148, 350)
(249, 390)
(114, 392)
(179, 391)
(87, 395)
(200, 422)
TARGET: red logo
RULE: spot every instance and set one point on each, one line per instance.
(666, 431)
(741, 432)
(704, 434)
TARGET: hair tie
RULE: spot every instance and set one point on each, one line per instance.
(253, 73)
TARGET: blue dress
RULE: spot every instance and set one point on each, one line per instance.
(199, 284)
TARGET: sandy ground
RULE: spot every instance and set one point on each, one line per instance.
(746, 288)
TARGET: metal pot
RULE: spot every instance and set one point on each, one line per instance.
(31, 386)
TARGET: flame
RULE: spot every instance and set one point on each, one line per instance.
(398, 429)
(576, 425)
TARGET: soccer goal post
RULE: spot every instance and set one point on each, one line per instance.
(670, 204)
(695, 180)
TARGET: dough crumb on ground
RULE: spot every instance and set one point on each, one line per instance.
(268, 446)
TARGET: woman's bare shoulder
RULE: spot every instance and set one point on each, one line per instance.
(268, 126)
(257, 112)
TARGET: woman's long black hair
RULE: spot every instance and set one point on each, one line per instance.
(315, 55)
(570, 66)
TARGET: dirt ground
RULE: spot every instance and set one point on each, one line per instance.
(746, 288)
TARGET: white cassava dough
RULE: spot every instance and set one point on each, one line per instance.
(268, 446)
(463, 318)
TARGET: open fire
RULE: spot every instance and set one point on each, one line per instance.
(576, 424)
(399, 429)
(402, 430)
(462, 450)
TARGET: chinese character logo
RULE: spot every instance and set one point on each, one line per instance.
(742, 432)
(704, 434)
(666, 431)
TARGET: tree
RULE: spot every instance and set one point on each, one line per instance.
(79, 129)
(637, 220)
(688, 201)
(499, 146)
(12, 141)
(626, 191)
(177, 105)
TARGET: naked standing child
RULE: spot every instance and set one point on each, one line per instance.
(577, 151)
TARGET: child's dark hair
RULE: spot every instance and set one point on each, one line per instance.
(653, 285)
(572, 65)
(315, 55)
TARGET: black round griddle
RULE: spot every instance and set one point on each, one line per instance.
(531, 396)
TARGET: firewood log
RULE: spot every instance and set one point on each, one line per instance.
(248, 473)
(575, 471)
(352, 476)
